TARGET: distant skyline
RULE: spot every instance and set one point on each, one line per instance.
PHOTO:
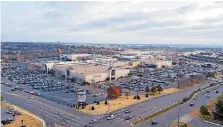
(113, 22)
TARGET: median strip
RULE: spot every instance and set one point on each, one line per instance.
(172, 106)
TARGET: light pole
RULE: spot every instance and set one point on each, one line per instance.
(178, 116)
(76, 98)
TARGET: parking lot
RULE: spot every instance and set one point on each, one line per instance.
(165, 77)
(48, 87)
(63, 92)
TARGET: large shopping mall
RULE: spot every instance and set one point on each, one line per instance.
(92, 69)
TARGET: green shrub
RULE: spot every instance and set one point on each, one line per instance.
(204, 110)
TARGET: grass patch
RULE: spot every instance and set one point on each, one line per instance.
(172, 106)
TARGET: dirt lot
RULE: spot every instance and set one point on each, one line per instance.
(175, 124)
(29, 121)
(122, 102)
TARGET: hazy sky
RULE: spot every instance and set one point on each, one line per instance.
(113, 22)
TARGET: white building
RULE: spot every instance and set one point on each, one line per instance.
(91, 73)
(157, 63)
(73, 57)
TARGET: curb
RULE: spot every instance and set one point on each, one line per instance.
(213, 123)
(21, 110)
(180, 103)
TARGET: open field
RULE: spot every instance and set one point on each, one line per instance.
(122, 102)
(29, 121)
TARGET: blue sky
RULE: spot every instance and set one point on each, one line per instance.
(113, 22)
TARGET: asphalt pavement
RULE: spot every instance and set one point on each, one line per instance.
(165, 119)
(145, 108)
(54, 113)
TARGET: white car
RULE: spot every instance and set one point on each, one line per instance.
(111, 117)
(31, 97)
(31, 92)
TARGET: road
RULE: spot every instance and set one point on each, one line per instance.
(145, 108)
(165, 119)
(52, 113)
(55, 113)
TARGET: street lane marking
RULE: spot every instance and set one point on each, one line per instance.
(69, 114)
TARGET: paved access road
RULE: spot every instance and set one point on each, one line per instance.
(199, 123)
(164, 120)
(55, 113)
(145, 108)
(52, 113)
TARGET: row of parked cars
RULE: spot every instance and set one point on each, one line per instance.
(36, 81)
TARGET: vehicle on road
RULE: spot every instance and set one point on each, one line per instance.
(31, 97)
(194, 98)
(13, 89)
(208, 91)
(112, 116)
(127, 111)
(9, 111)
(217, 91)
(93, 121)
(17, 113)
(31, 92)
(129, 117)
(208, 96)
(154, 122)
(191, 104)
(87, 126)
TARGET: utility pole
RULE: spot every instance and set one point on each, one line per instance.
(178, 116)
(76, 98)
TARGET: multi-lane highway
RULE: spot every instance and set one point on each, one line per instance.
(51, 112)
(147, 107)
(54, 113)
(165, 119)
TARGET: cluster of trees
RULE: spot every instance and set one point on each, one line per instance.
(154, 89)
(217, 112)
(191, 80)
(114, 92)
(212, 74)
(204, 110)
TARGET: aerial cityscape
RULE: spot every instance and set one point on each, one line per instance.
(111, 64)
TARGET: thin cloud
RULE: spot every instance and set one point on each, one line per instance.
(113, 22)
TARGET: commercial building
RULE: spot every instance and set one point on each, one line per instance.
(73, 57)
(92, 73)
(157, 63)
